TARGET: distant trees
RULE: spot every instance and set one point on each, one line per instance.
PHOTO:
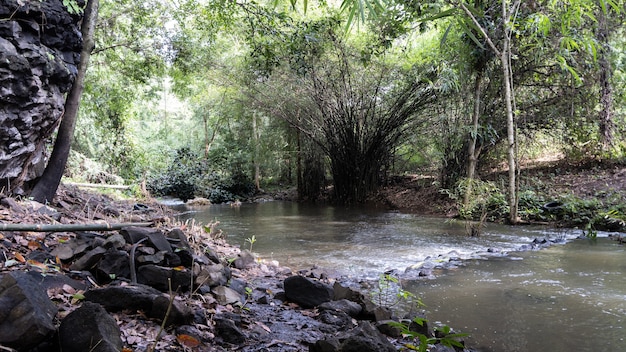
(283, 96)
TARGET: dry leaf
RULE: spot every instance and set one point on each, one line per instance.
(68, 289)
(36, 264)
(20, 258)
(32, 245)
(187, 340)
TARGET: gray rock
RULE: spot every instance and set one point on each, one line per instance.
(386, 327)
(90, 328)
(157, 277)
(353, 309)
(178, 239)
(139, 297)
(213, 275)
(366, 338)
(244, 260)
(179, 312)
(114, 264)
(89, 260)
(337, 318)
(226, 295)
(228, 331)
(115, 241)
(40, 45)
(306, 292)
(26, 312)
(156, 238)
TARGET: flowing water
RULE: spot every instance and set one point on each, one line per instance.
(568, 297)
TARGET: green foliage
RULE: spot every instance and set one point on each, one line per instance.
(477, 199)
(389, 293)
(443, 335)
(73, 7)
(251, 240)
(181, 178)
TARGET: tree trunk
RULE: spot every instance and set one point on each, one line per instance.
(510, 119)
(255, 139)
(606, 90)
(472, 154)
(47, 185)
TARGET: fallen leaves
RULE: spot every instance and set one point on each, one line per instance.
(187, 341)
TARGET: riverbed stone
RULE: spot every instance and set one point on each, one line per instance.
(306, 292)
(213, 275)
(160, 277)
(244, 260)
(226, 295)
(228, 331)
(26, 312)
(353, 309)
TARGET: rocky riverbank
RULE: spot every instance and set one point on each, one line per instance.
(140, 282)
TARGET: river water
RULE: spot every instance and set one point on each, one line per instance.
(568, 297)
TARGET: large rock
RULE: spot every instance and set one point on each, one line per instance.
(156, 238)
(26, 312)
(306, 292)
(364, 338)
(139, 297)
(160, 278)
(90, 328)
(40, 45)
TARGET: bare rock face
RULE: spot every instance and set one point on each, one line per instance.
(40, 45)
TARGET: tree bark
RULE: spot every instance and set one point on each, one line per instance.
(472, 153)
(47, 185)
(510, 120)
(606, 89)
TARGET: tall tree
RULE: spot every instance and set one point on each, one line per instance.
(46, 187)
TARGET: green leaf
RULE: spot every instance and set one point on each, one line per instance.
(446, 13)
(469, 33)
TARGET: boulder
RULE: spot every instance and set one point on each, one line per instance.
(364, 338)
(90, 328)
(139, 297)
(353, 309)
(306, 292)
(159, 277)
(114, 264)
(156, 238)
(40, 44)
(26, 312)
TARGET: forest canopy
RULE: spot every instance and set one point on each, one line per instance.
(223, 98)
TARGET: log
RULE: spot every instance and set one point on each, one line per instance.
(96, 185)
(70, 227)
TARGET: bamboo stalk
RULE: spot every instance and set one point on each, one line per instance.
(70, 227)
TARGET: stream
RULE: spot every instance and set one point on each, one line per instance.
(567, 297)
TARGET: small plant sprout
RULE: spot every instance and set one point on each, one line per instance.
(251, 240)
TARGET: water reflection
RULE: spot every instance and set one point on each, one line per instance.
(565, 298)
